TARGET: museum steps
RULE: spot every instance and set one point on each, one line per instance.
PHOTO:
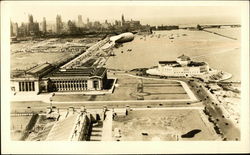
(96, 132)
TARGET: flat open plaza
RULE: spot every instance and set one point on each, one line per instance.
(163, 125)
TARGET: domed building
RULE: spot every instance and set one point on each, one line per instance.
(183, 66)
(183, 60)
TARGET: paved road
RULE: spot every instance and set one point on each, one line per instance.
(18, 107)
(126, 101)
(226, 125)
(171, 108)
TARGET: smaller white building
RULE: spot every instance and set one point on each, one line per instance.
(183, 66)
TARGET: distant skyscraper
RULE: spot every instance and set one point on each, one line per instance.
(80, 23)
(44, 27)
(30, 18)
(123, 20)
(33, 27)
(117, 23)
(89, 24)
(23, 29)
(72, 29)
(15, 29)
(30, 23)
(58, 24)
(11, 29)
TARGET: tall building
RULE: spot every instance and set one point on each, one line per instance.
(11, 29)
(50, 28)
(30, 24)
(36, 27)
(33, 27)
(30, 18)
(117, 23)
(97, 24)
(23, 29)
(123, 20)
(72, 29)
(15, 29)
(44, 27)
(58, 24)
(134, 24)
(89, 24)
(80, 23)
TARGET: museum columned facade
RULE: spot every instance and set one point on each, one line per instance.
(46, 78)
(77, 79)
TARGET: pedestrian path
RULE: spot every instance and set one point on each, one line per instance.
(63, 129)
(31, 97)
(107, 127)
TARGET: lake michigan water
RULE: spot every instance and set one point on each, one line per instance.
(219, 52)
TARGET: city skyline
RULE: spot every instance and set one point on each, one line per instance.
(152, 15)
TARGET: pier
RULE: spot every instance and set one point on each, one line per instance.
(219, 34)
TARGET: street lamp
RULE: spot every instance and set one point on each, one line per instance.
(29, 109)
(50, 102)
(50, 99)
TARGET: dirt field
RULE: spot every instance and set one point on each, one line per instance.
(162, 125)
(18, 125)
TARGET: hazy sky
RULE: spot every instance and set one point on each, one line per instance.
(146, 13)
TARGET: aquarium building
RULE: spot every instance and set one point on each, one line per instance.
(181, 67)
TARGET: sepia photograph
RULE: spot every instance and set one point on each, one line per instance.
(88, 75)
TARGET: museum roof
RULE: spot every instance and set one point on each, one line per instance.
(40, 69)
(84, 72)
(37, 71)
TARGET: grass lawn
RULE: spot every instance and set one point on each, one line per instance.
(126, 89)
